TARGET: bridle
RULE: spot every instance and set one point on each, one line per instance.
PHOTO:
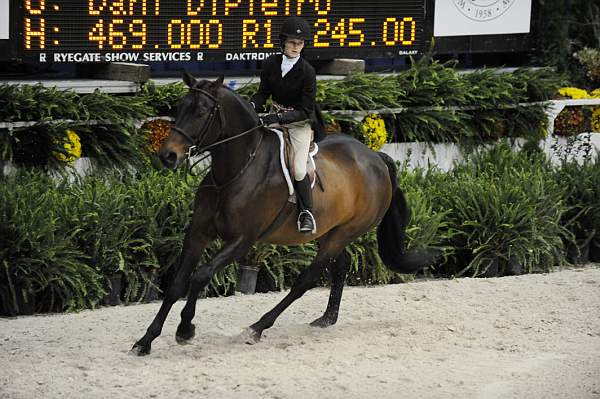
(196, 144)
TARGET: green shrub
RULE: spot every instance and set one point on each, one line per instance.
(506, 207)
(366, 267)
(131, 224)
(163, 98)
(426, 88)
(433, 125)
(37, 103)
(431, 83)
(428, 225)
(109, 223)
(581, 181)
(39, 257)
(61, 241)
(113, 141)
(280, 264)
(360, 91)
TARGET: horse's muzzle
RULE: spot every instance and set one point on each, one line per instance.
(168, 158)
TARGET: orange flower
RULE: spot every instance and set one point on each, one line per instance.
(569, 122)
(157, 131)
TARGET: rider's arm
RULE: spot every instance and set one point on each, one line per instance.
(291, 116)
(264, 91)
(309, 91)
(307, 101)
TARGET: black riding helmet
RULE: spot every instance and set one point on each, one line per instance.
(294, 28)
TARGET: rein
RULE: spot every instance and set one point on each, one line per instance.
(196, 145)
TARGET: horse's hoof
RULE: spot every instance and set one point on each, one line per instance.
(183, 335)
(322, 322)
(250, 336)
(139, 350)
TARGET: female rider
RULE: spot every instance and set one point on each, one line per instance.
(291, 82)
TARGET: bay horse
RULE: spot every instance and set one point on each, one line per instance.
(245, 192)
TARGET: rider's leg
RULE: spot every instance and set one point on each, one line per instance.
(300, 138)
(306, 221)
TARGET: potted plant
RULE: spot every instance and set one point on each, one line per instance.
(581, 180)
(42, 264)
(505, 206)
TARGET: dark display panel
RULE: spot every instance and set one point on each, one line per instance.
(212, 30)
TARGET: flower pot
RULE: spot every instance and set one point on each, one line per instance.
(113, 297)
(151, 293)
(594, 251)
(248, 279)
(489, 267)
(578, 255)
(25, 304)
(514, 267)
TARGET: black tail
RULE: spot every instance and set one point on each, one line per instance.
(391, 232)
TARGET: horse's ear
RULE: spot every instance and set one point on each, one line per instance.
(189, 79)
(218, 82)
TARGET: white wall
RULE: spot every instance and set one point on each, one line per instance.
(443, 156)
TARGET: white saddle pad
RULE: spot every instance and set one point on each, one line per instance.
(286, 172)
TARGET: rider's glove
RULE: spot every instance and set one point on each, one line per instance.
(270, 119)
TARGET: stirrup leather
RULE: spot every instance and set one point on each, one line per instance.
(306, 212)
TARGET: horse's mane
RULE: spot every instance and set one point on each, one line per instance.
(238, 98)
(243, 103)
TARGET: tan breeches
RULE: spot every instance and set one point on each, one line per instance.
(301, 135)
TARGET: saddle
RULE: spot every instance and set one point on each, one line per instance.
(285, 155)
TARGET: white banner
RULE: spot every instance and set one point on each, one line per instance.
(4, 13)
(481, 17)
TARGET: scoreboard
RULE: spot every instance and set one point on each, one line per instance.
(56, 31)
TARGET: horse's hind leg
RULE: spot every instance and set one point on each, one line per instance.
(309, 277)
(339, 270)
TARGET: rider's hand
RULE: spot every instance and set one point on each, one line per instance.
(270, 119)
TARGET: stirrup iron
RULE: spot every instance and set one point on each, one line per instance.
(306, 212)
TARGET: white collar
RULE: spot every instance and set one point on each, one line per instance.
(287, 64)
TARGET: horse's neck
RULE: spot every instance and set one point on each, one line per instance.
(231, 158)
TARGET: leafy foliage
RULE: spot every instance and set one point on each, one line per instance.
(113, 140)
(425, 90)
(507, 208)
(61, 241)
(38, 254)
(581, 181)
(163, 98)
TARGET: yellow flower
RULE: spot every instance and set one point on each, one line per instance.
(72, 146)
(374, 132)
(595, 93)
(574, 93)
(595, 120)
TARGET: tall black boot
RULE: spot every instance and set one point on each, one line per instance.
(306, 220)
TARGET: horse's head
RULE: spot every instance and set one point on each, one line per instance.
(199, 121)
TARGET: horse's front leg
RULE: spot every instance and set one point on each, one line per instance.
(231, 251)
(198, 235)
(189, 259)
